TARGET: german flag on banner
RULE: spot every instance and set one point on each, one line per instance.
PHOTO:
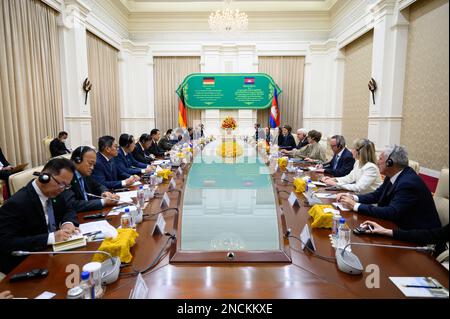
(208, 81)
(182, 117)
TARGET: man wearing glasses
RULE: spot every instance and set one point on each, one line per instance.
(33, 218)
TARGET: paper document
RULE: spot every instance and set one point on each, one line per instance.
(102, 225)
(319, 183)
(326, 195)
(341, 207)
(127, 196)
(136, 183)
(420, 287)
(159, 162)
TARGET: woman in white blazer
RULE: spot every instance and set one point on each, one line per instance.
(365, 176)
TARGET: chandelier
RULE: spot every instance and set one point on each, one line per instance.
(228, 19)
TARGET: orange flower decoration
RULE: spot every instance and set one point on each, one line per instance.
(229, 122)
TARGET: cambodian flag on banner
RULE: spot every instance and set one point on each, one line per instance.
(274, 112)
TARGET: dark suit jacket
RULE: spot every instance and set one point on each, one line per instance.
(155, 150)
(165, 144)
(126, 164)
(435, 236)
(58, 148)
(286, 142)
(75, 199)
(4, 174)
(23, 225)
(106, 173)
(302, 143)
(141, 155)
(408, 203)
(344, 165)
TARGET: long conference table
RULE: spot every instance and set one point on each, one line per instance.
(303, 276)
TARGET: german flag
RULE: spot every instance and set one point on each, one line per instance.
(208, 81)
(182, 117)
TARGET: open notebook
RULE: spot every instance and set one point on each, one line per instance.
(73, 242)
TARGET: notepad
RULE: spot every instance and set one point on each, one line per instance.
(420, 289)
(341, 207)
(73, 242)
(318, 183)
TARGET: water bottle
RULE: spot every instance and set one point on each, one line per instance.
(343, 234)
(141, 196)
(336, 223)
(86, 285)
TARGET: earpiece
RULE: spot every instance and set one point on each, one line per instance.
(389, 161)
(79, 159)
(366, 143)
(44, 178)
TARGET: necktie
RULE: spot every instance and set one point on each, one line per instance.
(51, 216)
(335, 162)
(83, 190)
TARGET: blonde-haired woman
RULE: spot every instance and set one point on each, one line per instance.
(365, 176)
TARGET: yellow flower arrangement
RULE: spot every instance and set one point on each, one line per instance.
(229, 122)
(230, 149)
(164, 173)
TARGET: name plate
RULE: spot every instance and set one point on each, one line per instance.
(165, 202)
(307, 240)
(179, 171)
(293, 200)
(172, 184)
(284, 178)
(160, 225)
(140, 290)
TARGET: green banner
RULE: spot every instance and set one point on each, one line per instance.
(228, 90)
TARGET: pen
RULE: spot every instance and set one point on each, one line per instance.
(93, 233)
(418, 286)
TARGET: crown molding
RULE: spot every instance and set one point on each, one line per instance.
(54, 4)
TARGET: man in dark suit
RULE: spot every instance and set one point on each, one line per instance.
(34, 218)
(165, 143)
(154, 149)
(125, 161)
(83, 184)
(403, 197)
(58, 146)
(5, 169)
(105, 170)
(140, 152)
(342, 162)
(302, 137)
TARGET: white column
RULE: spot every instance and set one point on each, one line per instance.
(136, 87)
(323, 88)
(74, 70)
(388, 69)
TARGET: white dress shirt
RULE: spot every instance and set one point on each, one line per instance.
(43, 199)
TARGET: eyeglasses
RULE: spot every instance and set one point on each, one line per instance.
(61, 185)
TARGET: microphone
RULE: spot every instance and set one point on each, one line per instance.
(349, 263)
(109, 270)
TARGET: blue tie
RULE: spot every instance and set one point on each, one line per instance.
(83, 190)
(335, 162)
(51, 216)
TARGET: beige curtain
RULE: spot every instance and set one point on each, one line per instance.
(169, 72)
(104, 96)
(30, 90)
(287, 72)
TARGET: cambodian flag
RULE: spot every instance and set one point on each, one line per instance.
(274, 112)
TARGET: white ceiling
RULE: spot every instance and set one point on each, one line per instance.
(137, 6)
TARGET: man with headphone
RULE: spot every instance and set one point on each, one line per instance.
(342, 162)
(84, 158)
(402, 198)
(125, 161)
(34, 217)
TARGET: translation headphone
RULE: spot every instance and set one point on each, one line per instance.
(389, 161)
(44, 178)
(129, 139)
(78, 159)
(366, 143)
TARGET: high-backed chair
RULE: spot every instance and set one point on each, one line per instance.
(414, 165)
(20, 179)
(47, 140)
(441, 196)
(329, 152)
